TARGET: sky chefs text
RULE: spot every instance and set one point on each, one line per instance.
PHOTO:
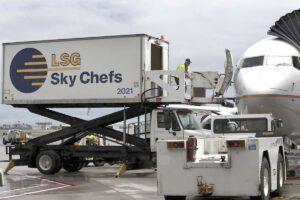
(29, 70)
(86, 78)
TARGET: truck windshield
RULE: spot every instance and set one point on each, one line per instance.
(249, 125)
(188, 120)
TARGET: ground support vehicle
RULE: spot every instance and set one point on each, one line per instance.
(129, 72)
(40, 153)
(15, 136)
(243, 158)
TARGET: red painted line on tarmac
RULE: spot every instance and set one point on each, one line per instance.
(64, 185)
(62, 182)
(52, 180)
(35, 192)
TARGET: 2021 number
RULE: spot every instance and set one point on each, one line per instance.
(124, 90)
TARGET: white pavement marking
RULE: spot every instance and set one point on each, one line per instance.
(139, 187)
(133, 190)
(35, 192)
(43, 180)
(42, 185)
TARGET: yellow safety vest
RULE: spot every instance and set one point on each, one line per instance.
(182, 68)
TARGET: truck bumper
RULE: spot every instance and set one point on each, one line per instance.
(175, 178)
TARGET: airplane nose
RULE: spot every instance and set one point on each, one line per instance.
(258, 80)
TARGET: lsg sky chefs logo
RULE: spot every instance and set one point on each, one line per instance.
(29, 71)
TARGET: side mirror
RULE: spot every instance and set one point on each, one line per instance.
(279, 123)
(168, 119)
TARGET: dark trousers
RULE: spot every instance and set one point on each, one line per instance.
(176, 80)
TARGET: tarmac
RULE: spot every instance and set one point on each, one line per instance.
(95, 183)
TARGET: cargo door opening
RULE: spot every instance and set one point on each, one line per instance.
(156, 64)
(156, 57)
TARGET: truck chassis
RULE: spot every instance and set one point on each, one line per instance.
(50, 158)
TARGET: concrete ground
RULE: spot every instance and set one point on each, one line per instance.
(90, 183)
(94, 183)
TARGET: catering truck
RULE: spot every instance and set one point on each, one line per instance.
(243, 157)
(129, 71)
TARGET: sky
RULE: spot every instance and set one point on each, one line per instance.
(196, 29)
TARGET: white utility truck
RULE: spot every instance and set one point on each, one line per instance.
(128, 71)
(243, 157)
(15, 136)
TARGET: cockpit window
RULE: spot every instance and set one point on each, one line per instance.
(279, 61)
(253, 61)
(296, 62)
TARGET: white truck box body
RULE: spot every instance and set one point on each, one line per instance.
(82, 71)
(177, 177)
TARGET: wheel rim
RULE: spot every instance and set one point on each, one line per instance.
(281, 175)
(45, 162)
(266, 182)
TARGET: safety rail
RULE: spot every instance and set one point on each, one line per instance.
(161, 86)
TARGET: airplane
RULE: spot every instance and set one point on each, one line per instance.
(267, 78)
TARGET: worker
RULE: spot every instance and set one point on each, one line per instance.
(185, 68)
(92, 140)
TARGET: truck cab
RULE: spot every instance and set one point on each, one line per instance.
(175, 124)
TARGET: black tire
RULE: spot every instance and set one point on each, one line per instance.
(4, 141)
(80, 166)
(280, 176)
(265, 178)
(175, 197)
(58, 163)
(99, 163)
(46, 162)
(72, 166)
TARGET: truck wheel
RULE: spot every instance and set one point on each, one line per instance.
(265, 180)
(280, 176)
(58, 164)
(99, 163)
(80, 166)
(69, 167)
(175, 197)
(4, 141)
(72, 166)
(46, 162)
